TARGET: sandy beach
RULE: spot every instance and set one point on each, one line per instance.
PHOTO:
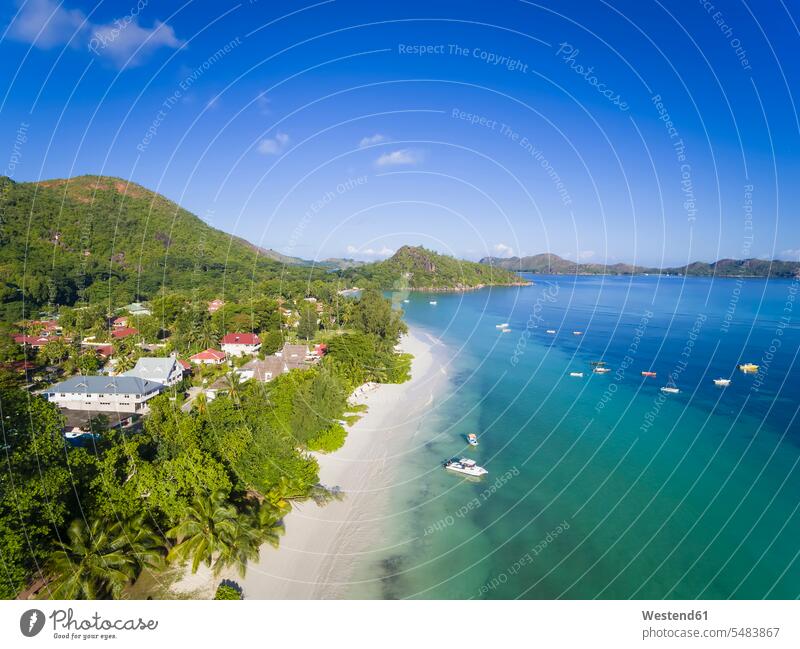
(322, 544)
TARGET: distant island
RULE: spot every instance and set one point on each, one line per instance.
(416, 268)
(550, 264)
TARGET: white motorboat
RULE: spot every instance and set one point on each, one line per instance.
(723, 383)
(577, 333)
(577, 374)
(465, 466)
(501, 326)
(406, 301)
(432, 302)
(669, 390)
(551, 331)
(601, 370)
(505, 330)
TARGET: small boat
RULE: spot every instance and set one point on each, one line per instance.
(472, 439)
(748, 368)
(577, 333)
(669, 390)
(649, 374)
(551, 331)
(406, 301)
(598, 363)
(578, 375)
(601, 370)
(465, 466)
(723, 383)
(505, 330)
(432, 302)
(501, 326)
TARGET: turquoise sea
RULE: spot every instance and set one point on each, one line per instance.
(602, 486)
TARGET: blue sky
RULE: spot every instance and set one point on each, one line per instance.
(648, 132)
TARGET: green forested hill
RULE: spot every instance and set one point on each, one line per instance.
(102, 238)
(417, 268)
(551, 264)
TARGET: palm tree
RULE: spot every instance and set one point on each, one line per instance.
(100, 560)
(233, 382)
(245, 545)
(206, 533)
(201, 403)
(280, 497)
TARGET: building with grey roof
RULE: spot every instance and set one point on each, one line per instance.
(166, 370)
(103, 393)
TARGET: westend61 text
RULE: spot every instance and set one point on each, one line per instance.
(672, 615)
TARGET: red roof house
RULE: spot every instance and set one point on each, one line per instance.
(33, 341)
(208, 357)
(124, 332)
(239, 344)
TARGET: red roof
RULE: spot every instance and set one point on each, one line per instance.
(120, 321)
(185, 365)
(33, 341)
(209, 355)
(241, 339)
(321, 349)
(124, 332)
(103, 350)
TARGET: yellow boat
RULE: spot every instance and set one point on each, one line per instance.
(748, 368)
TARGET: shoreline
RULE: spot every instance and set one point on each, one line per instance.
(323, 545)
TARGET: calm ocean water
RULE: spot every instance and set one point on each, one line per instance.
(602, 486)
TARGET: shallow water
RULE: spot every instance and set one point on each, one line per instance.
(601, 486)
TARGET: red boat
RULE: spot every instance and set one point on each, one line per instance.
(650, 374)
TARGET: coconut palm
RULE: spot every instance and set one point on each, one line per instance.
(100, 559)
(206, 533)
(201, 404)
(233, 382)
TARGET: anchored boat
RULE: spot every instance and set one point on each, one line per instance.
(723, 383)
(748, 368)
(669, 390)
(601, 370)
(649, 374)
(577, 374)
(472, 439)
(465, 466)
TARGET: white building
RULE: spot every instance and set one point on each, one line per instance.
(241, 344)
(103, 393)
(167, 371)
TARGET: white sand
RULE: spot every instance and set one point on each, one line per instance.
(322, 544)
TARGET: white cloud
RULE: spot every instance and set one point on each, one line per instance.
(273, 146)
(384, 251)
(399, 157)
(45, 23)
(792, 254)
(263, 102)
(503, 250)
(585, 254)
(372, 139)
(127, 43)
